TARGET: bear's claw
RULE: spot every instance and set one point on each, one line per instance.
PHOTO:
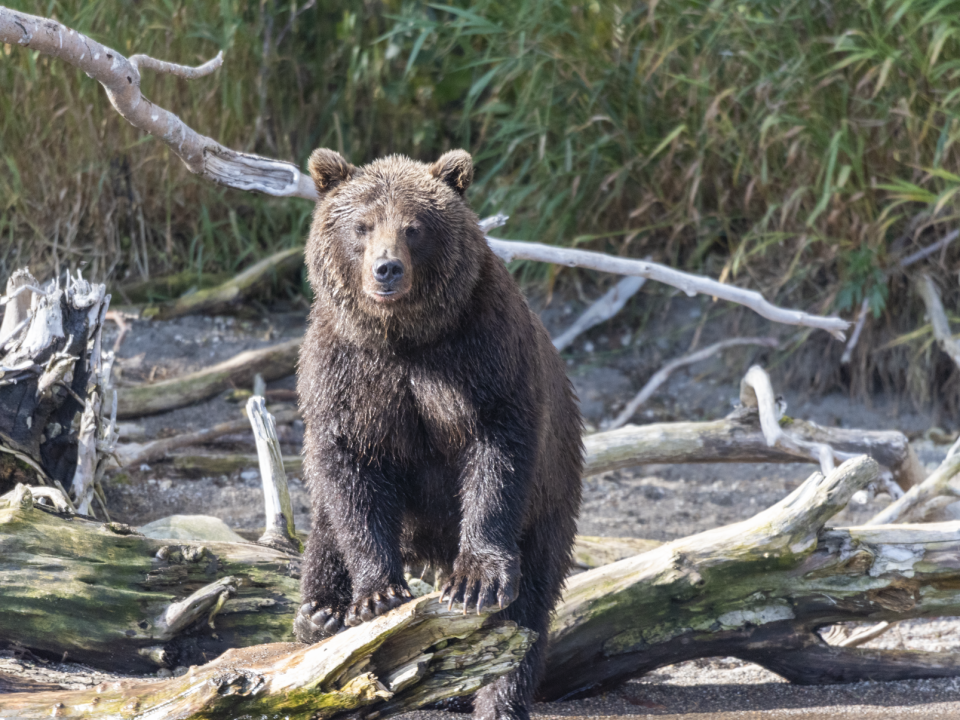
(371, 606)
(312, 625)
(475, 583)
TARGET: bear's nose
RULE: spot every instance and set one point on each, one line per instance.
(387, 271)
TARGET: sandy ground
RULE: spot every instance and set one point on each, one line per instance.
(658, 502)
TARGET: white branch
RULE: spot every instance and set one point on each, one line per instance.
(934, 486)
(603, 309)
(691, 284)
(121, 79)
(663, 373)
(857, 329)
(145, 62)
(209, 159)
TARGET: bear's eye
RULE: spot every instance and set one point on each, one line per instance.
(411, 231)
(362, 229)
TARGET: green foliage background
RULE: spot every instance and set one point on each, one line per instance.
(798, 147)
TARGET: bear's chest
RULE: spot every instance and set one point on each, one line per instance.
(410, 411)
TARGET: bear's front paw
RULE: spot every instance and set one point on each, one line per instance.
(370, 606)
(314, 623)
(482, 581)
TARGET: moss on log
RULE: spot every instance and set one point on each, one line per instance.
(418, 654)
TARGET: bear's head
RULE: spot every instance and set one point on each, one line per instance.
(394, 248)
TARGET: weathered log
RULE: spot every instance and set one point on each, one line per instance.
(738, 438)
(418, 654)
(210, 464)
(255, 279)
(58, 573)
(273, 362)
(759, 590)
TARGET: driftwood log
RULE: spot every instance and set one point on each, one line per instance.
(758, 590)
(273, 362)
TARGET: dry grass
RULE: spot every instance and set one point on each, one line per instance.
(798, 147)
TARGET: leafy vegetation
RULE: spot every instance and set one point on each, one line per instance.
(801, 148)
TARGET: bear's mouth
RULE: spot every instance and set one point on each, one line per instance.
(385, 296)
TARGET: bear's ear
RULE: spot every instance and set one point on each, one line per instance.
(455, 168)
(328, 169)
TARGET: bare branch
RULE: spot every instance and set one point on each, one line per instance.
(857, 329)
(691, 284)
(603, 309)
(121, 79)
(145, 62)
(929, 250)
(663, 373)
(934, 486)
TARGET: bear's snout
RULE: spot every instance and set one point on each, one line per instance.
(388, 272)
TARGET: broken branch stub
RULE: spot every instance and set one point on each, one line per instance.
(279, 531)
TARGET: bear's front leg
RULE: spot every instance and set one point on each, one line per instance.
(494, 488)
(363, 515)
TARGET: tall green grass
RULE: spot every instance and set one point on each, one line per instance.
(798, 147)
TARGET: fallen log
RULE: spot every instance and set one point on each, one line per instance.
(420, 653)
(274, 362)
(739, 438)
(215, 300)
(134, 454)
(759, 590)
(58, 573)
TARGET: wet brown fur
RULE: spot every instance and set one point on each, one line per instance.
(441, 426)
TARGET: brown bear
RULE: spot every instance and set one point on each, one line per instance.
(441, 428)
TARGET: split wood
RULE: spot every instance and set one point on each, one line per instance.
(206, 157)
(52, 369)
